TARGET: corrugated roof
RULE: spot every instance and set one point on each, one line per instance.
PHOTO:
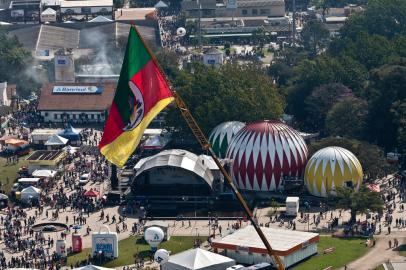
(110, 33)
(178, 158)
(280, 240)
(259, 3)
(52, 37)
(76, 102)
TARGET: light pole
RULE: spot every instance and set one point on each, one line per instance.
(294, 21)
(200, 24)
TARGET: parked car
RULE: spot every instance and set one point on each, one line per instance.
(238, 266)
(84, 179)
(260, 266)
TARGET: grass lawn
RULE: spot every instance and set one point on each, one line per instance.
(347, 250)
(380, 268)
(129, 246)
(10, 172)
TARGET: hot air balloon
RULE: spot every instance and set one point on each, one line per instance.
(154, 236)
(161, 256)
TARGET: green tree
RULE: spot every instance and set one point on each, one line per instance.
(314, 37)
(370, 50)
(347, 118)
(280, 72)
(16, 64)
(319, 102)
(231, 92)
(169, 62)
(358, 202)
(381, 17)
(398, 110)
(386, 88)
(310, 74)
(260, 37)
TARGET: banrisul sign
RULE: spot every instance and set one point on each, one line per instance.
(88, 89)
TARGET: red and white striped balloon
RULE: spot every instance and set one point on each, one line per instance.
(264, 152)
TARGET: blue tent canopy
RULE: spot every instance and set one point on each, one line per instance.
(70, 133)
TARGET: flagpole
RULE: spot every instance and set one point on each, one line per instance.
(198, 133)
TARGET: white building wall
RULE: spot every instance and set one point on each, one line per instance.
(300, 255)
(271, 10)
(244, 257)
(3, 94)
(33, 167)
(213, 59)
(93, 10)
(73, 116)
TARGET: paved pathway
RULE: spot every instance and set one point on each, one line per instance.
(379, 254)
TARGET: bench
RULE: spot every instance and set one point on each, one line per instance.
(329, 250)
(328, 268)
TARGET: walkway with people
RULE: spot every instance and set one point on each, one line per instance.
(379, 254)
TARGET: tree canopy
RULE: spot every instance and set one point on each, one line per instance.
(232, 92)
(367, 57)
(360, 201)
(16, 64)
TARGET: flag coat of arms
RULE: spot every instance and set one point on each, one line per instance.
(142, 92)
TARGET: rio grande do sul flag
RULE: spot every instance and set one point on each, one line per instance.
(141, 94)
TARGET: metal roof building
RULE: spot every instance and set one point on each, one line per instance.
(245, 246)
(182, 159)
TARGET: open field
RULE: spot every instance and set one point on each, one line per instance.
(346, 251)
(129, 246)
(8, 172)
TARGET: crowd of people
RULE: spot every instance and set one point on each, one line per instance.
(168, 25)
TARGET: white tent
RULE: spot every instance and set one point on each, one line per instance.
(48, 15)
(30, 193)
(100, 18)
(49, 11)
(92, 267)
(56, 140)
(44, 173)
(160, 4)
(194, 259)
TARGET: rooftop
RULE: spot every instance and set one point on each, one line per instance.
(48, 101)
(86, 3)
(181, 159)
(76, 35)
(45, 155)
(282, 241)
(129, 14)
(259, 3)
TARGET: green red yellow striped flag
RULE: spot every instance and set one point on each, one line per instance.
(142, 92)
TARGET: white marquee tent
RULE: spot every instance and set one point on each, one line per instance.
(44, 173)
(197, 259)
(56, 140)
(100, 18)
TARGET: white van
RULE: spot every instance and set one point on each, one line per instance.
(238, 266)
(292, 206)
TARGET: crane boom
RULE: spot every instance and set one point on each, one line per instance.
(201, 138)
